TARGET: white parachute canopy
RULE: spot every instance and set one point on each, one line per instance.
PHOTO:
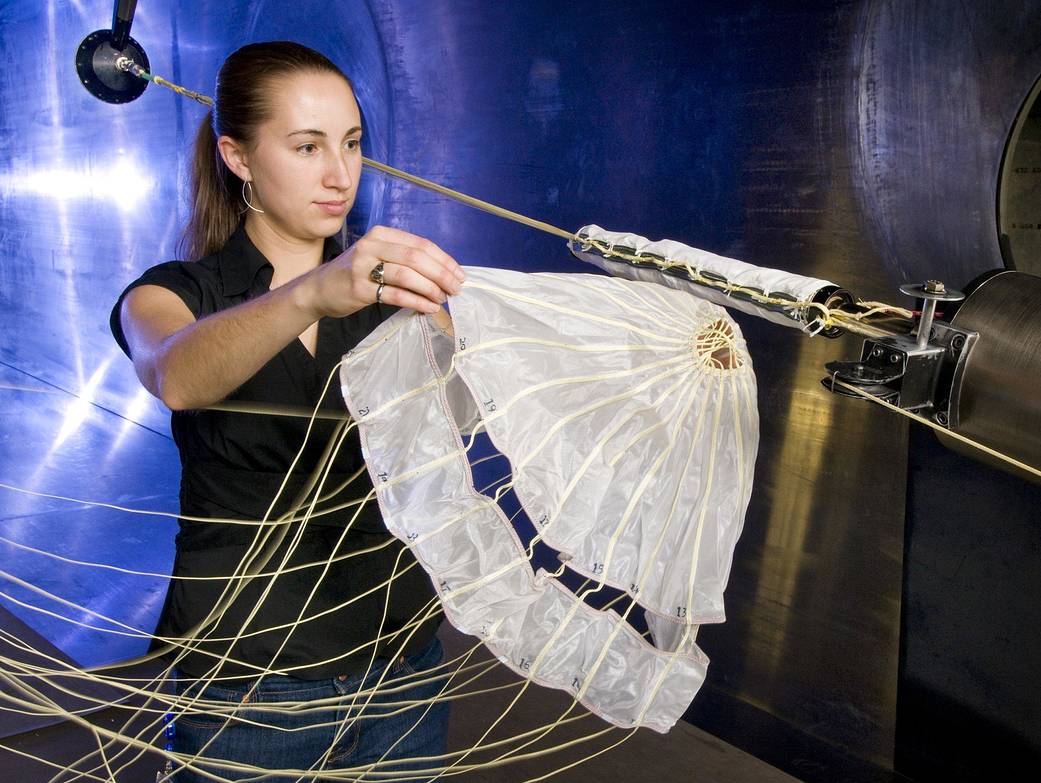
(628, 414)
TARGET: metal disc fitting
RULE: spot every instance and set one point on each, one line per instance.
(96, 65)
(932, 289)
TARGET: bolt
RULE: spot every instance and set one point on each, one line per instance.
(957, 342)
(934, 286)
(877, 350)
(941, 419)
(893, 358)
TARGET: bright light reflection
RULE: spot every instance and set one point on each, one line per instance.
(139, 408)
(78, 408)
(122, 183)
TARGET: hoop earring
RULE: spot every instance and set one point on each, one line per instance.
(249, 199)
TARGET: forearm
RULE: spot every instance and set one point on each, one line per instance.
(208, 359)
(190, 363)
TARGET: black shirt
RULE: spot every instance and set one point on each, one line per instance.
(232, 465)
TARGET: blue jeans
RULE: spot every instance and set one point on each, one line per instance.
(272, 747)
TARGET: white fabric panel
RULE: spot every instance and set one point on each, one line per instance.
(625, 446)
(769, 281)
(631, 454)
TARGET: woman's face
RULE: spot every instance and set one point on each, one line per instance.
(306, 160)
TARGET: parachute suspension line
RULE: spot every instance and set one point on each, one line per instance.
(833, 381)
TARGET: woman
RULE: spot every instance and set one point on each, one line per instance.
(262, 317)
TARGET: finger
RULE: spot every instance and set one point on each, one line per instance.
(410, 279)
(416, 259)
(402, 297)
(389, 234)
(428, 250)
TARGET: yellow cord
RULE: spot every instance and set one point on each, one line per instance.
(938, 427)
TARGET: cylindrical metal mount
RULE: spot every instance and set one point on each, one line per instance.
(999, 401)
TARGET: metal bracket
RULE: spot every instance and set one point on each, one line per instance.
(920, 372)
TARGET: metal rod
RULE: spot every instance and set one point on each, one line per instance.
(122, 19)
(925, 323)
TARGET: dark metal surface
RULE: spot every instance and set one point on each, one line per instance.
(999, 403)
(856, 141)
(969, 707)
(98, 66)
(936, 89)
(1019, 189)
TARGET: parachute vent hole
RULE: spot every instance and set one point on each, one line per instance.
(714, 346)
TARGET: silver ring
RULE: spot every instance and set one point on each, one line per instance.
(376, 275)
(379, 293)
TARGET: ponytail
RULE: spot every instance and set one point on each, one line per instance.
(215, 209)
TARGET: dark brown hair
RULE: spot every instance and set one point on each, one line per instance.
(241, 105)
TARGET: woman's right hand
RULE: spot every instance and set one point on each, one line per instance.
(189, 363)
(417, 274)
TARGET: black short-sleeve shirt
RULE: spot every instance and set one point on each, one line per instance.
(232, 465)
